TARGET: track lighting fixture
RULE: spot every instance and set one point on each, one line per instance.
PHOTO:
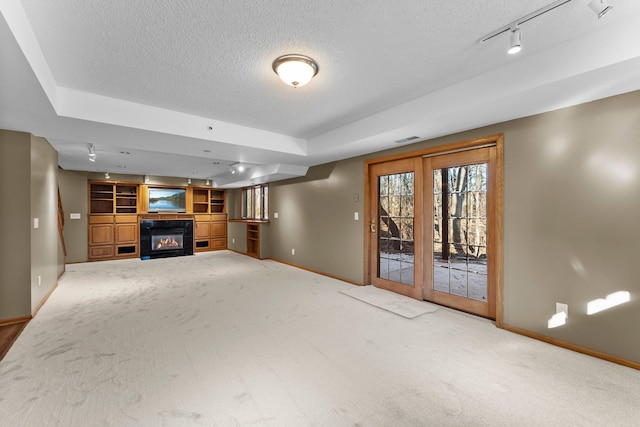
(146, 179)
(516, 41)
(206, 182)
(92, 153)
(600, 7)
(106, 175)
(189, 181)
(236, 167)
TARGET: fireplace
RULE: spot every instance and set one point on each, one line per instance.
(166, 238)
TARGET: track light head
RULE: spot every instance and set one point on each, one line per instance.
(106, 175)
(92, 153)
(600, 7)
(515, 44)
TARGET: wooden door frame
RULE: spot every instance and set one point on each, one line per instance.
(370, 205)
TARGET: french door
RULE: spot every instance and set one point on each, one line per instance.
(434, 227)
(460, 208)
(394, 223)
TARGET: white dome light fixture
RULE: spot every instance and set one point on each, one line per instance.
(295, 70)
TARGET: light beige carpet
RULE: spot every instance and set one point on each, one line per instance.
(221, 339)
(398, 304)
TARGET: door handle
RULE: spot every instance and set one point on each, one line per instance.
(373, 225)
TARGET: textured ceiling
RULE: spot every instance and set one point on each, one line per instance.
(210, 62)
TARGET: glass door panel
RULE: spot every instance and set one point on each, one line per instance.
(460, 255)
(396, 222)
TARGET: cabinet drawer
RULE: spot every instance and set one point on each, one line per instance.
(218, 243)
(100, 252)
(100, 219)
(127, 219)
(202, 218)
(219, 217)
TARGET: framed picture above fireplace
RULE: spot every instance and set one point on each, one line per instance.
(167, 200)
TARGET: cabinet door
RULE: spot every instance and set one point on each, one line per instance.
(126, 233)
(202, 230)
(218, 229)
(101, 234)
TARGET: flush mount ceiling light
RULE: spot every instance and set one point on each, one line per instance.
(295, 70)
(600, 7)
(92, 153)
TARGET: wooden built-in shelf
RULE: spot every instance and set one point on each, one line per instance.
(253, 239)
(116, 208)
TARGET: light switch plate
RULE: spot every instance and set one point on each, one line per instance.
(74, 216)
(36, 222)
(275, 214)
(560, 307)
(355, 216)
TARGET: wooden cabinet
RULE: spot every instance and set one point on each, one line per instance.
(210, 232)
(113, 220)
(101, 237)
(113, 236)
(253, 239)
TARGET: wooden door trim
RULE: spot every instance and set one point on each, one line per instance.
(439, 149)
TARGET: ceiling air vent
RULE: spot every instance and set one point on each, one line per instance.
(407, 139)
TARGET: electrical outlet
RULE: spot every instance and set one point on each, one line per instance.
(355, 216)
(233, 240)
(293, 251)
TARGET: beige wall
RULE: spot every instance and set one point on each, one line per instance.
(28, 173)
(45, 240)
(15, 224)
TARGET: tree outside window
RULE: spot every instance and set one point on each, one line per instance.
(255, 202)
